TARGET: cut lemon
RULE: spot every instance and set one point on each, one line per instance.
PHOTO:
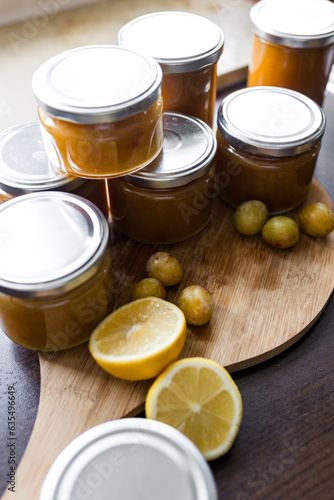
(140, 339)
(198, 397)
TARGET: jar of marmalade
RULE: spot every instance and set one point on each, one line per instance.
(268, 139)
(187, 47)
(171, 199)
(56, 280)
(25, 168)
(293, 45)
(100, 109)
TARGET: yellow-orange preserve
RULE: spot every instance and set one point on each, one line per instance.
(25, 168)
(100, 109)
(187, 47)
(293, 45)
(268, 141)
(171, 199)
(56, 281)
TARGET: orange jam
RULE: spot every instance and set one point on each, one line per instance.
(188, 61)
(171, 199)
(192, 93)
(293, 45)
(268, 141)
(110, 124)
(56, 281)
(25, 168)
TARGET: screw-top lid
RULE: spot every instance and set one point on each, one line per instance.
(188, 152)
(50, 242)
(179, 41)
(128, 459)
(270, 121)
(24, 165)
(97, 84)
(294, 23)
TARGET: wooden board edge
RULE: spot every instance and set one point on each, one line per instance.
(256, 360)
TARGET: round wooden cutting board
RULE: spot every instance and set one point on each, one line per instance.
(265, 300)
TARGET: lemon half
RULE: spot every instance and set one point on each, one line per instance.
(198, 397)
(140, 339)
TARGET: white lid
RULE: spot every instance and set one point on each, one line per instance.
(24, 165)
(270, 121)
(50, 242)
(294, 23)
(179, 41)
(97, 84)
(188, 152)
(130, 459)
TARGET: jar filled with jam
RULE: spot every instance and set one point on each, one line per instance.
(100, 109)
(25, 168)
(187, 47)
(293, 45)
(171, 199)
(56, 281)
(268, 140)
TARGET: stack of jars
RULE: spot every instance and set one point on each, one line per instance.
(125, 126)
(125, 131)
(269, 134)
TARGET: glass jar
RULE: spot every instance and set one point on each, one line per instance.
(100, 109)
(293, 45)
(268, 143)
(25, 168)
(171, 199)
(188, 61)
(56, 280)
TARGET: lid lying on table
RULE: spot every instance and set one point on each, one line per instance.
(297, 23)
(188, 152)
(179, 41)
(24, 165)
(50, 242)
(270, 121)
(97, 84)
(132, 458)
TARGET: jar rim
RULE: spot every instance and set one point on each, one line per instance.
(24, 166)
(79, 85)
(188, 153)
(52, 242)
(151, 33)
(271, 121)
(309, 25)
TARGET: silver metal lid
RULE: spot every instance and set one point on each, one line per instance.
(188, 152)
(179, 41)
(97, 84)
(24, 165)
(297, 23)
(50, 242)
(128, 459)
(270, 121)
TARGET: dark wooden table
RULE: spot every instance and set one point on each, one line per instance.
(285, 446)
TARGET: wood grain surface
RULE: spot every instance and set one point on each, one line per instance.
(265, 300)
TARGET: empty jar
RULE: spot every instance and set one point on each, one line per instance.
(25, 168)
(56, 281)
(187, 47)
(171, 199)
(268, 140)
(100, 109)
(293, 45)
